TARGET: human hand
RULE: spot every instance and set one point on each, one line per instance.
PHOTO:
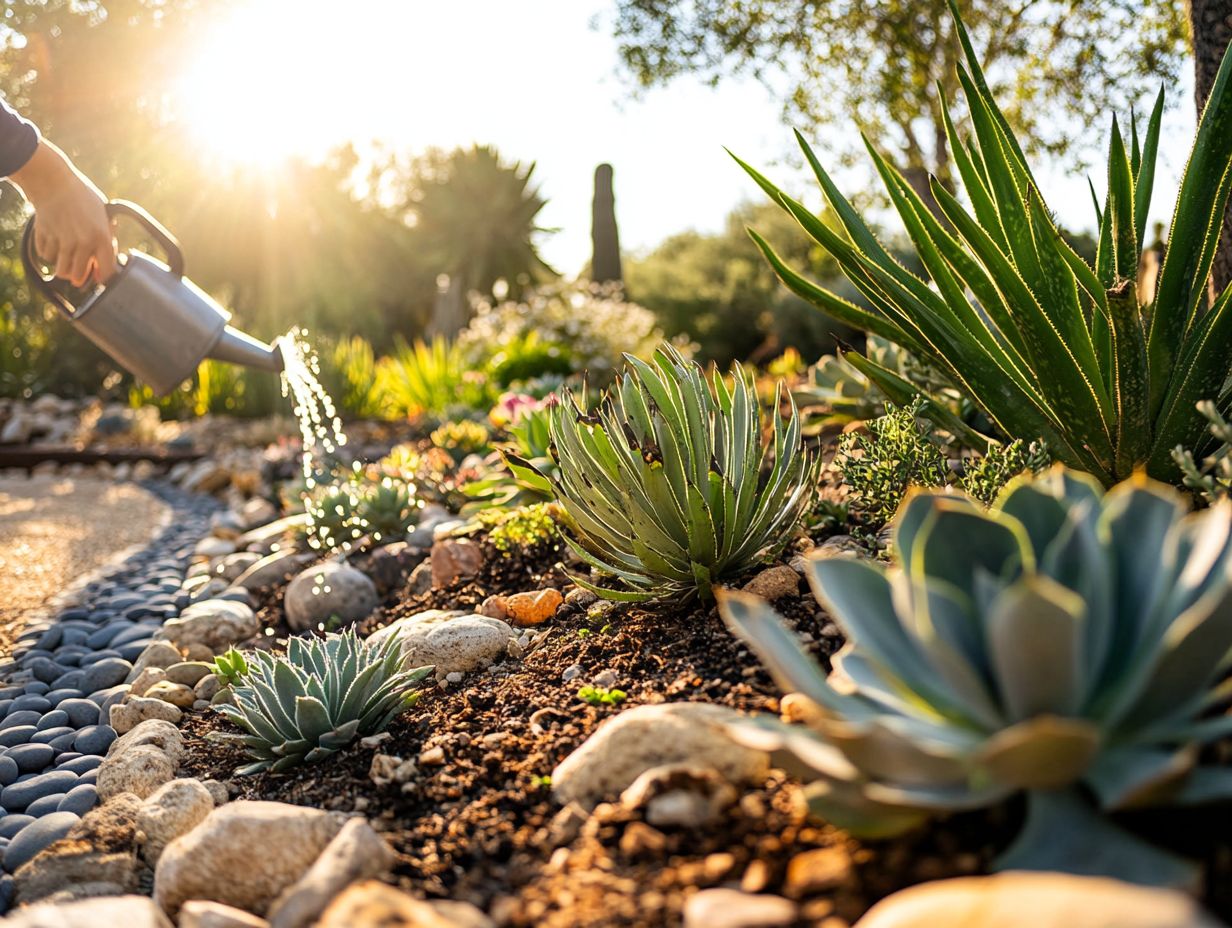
(72, 231)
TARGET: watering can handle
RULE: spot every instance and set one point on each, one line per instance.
(46, 285)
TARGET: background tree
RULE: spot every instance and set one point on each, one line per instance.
(876, 65)
(1212, 32)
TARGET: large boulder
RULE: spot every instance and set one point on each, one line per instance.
(332, 589)
(1031, 900)
(173, 809)
(644, 737)
(453, 642)
(244, 854)
(122, 911)
(215, 623)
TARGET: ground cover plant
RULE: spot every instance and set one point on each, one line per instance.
(663, 485)
(1066, 642)
(1053, 348)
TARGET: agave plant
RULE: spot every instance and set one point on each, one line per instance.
(664, 484)
(314, 701)
(1052, 348)
(1064, 642)
(333, 519)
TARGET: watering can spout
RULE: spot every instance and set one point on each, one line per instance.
(236, 347)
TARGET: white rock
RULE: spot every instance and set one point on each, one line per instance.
(271, 531)
(119, 911)
(372, 903)
(730, 908)
(139, 770)
(206, 477)
(454, 642)
(17, 430)
(147, 678)
(154, 733)
(244, 854)
(197, 913)
(233, 566)
(170, 811)
(256, 511)
(638, 739)
(159, 654)
(215, 623)
(357, 852)
(273, 568)
(1032, 900)
(330, 589)
(214, 547)
(128, 715)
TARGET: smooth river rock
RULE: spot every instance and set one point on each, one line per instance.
(327, 590)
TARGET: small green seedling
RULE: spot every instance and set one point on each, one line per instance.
(602, 696)
(543, 782)
(230, 667)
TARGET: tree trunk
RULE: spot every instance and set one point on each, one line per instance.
(605, 242)
(1212, 30)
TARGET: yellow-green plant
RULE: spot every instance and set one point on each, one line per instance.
(428, 380)
(670, 487)
(1065, 642)
(1052, 349)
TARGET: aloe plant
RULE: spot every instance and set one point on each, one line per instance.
(1052, 348)
(316, 699)
(664, 487)
(1066, 642)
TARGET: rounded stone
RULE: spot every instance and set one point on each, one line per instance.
(19, 734)
(140, 770)
(79, 800)
(83, 764)
(20, 718)
(326, 590)
(94, 739)
(45, 804)
(31, 758)
(11, 824)
(52, 736)
(9, 771)
(56, 718)
(173, 809)
(81, 712)
(17, 796)
(44, 669)
(105, 673)
(31, 701)
(129, 715)
(58, 697)
(36, 836)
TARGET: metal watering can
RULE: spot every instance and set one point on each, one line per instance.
(149, 317)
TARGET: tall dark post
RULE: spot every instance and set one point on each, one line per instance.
(1212, 30)
(605, 241)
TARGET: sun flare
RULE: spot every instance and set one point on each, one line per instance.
(265, 85)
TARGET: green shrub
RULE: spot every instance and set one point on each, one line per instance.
(523, 528)
(348, 371)
(461, 439)
(315, 700)
(527, 463)
(663, 486)
(430, 381)
(1067, 643)
(1057, 349)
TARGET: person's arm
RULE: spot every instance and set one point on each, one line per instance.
(72, 231)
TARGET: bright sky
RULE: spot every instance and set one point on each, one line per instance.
(534, 79)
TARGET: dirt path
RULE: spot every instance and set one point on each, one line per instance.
(54, 530)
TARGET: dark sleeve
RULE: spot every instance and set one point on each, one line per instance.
(18, 140)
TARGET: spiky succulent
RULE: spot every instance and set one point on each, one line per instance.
(333, 519)
(1064, 642)
(1212, 479)
(1050, 347)
(664, 485)
(316, 699)
(387, 509)
(837, 384)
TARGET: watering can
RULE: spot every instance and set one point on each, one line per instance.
(149, 317)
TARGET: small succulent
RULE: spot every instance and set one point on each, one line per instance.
(316, 699)
(986, 475)
(387, 509)
(664, 487)
(835, 383)
(523, 528)
(1066, 642)
(1212, 480)
(462, 438)
(602, 695)
(333, 518)
(230, 667)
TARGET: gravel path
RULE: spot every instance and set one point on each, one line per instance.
(54, 530)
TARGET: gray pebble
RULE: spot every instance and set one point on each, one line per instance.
(18, 735)
(94, 739)
(31, 758)
(11, 824)
(45, 805)
(81, 712)
(17, 796)
(48, 735)
(83, 764)
(32, 702)
(70, 680)
(19, 718)
(37, 686)
(55, 697)
(44, 669)
(37, 835)
(56, 718)
(80, 799)
(9, 771)
(105, 673)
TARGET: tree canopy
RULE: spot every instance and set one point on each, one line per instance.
(881, 65)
